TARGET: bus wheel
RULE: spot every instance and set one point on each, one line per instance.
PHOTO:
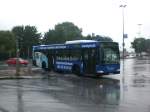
(76, 70)
(44, 65)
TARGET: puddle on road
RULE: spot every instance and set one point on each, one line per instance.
(107, 94)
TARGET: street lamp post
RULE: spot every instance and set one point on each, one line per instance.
(139, 33)
(17, 57)
(123, 44)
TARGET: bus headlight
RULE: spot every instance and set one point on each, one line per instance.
(100, 71)
(118, 70)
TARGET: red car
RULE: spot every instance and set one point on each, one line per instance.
(12, 61)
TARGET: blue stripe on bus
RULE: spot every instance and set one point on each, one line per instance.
(44, 47)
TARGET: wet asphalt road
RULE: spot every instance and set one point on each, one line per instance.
(128, 92)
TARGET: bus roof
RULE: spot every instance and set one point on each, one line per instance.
(71, 44)
(79, 41)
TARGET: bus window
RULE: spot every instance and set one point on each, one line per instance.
(110, 56)
(75, 54)
(62, 54)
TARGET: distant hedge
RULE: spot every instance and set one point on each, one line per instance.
(4, 56)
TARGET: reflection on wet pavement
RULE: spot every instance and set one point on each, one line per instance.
(70, 93)
(64, 93)
(136, 85)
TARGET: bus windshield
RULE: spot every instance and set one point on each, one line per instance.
(110, 54)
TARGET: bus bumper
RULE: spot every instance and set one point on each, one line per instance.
(108, 69)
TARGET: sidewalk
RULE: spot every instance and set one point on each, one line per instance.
(25, 73)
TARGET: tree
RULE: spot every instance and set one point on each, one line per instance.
(139, 45)
(102, 38)
(88, 37)
(7, 44)
(27, 37)
(18, 32)
(63, 32)
(147, 46)
(50, 37)
(98, 38)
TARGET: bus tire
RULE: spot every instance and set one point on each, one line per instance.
(76, 70)
(43, 65)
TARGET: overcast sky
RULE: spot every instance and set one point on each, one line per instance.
(103, 17)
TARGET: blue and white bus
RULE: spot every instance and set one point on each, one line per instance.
(79, 57)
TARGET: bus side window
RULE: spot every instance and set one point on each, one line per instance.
(93, 53)
(75, 55)
(86, 55)
(70, 58)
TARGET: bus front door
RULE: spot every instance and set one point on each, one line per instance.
(89, 58)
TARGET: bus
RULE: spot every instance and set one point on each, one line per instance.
(80, 57)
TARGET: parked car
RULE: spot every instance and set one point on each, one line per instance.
(12, 61)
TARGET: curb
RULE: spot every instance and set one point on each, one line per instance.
(20, 77)
(9, 73)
